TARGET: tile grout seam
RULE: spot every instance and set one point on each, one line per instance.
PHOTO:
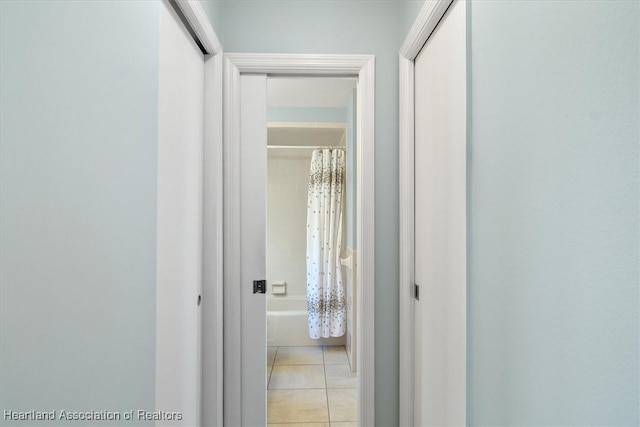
(326, 389)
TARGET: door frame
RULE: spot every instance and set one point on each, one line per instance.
(363, 67)
(198, 25)
(423, 26)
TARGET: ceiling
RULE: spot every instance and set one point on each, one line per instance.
(308, 92)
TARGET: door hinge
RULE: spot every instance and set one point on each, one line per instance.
(259, 286)
(416, 291)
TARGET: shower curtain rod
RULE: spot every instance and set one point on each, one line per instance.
(307, 146)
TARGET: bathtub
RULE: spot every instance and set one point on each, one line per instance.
(287, 323)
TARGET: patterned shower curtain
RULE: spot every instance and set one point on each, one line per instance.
(325, 292)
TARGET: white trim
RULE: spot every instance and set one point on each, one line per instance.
(232, 269)
(406, 239)
(427, 20)
(299, 64)
(423, 26)
(198, 22)
(212, 246)
(365, 255)
(362, 66)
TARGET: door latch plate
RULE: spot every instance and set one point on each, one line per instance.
(259, 286)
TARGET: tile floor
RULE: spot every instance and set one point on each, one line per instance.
(310, 386)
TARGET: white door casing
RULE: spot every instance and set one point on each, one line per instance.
(433, 366)
(239, 320)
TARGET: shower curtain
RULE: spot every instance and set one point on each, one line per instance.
(325, 292)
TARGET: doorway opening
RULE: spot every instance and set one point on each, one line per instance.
(245, 191)
(311, 243)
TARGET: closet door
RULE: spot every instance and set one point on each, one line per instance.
(179, 221)
(440, 223)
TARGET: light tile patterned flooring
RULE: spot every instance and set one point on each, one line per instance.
(310, 386)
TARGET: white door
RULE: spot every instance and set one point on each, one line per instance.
(253, 212)
(440, 224)
(179, 221)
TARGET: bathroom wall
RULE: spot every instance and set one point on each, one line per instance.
(287, 180)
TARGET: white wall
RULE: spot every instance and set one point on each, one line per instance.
(287, 180)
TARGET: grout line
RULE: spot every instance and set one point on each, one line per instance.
(326, 390)
(271, 370)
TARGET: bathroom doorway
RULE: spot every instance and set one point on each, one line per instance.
(245, 203)
(311, 240)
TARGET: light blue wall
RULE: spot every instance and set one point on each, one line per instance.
(79, 83)
(363, 27)
(410, 10)
(213, 9)
(553, 268)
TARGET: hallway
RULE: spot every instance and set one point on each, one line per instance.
(100, 216)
